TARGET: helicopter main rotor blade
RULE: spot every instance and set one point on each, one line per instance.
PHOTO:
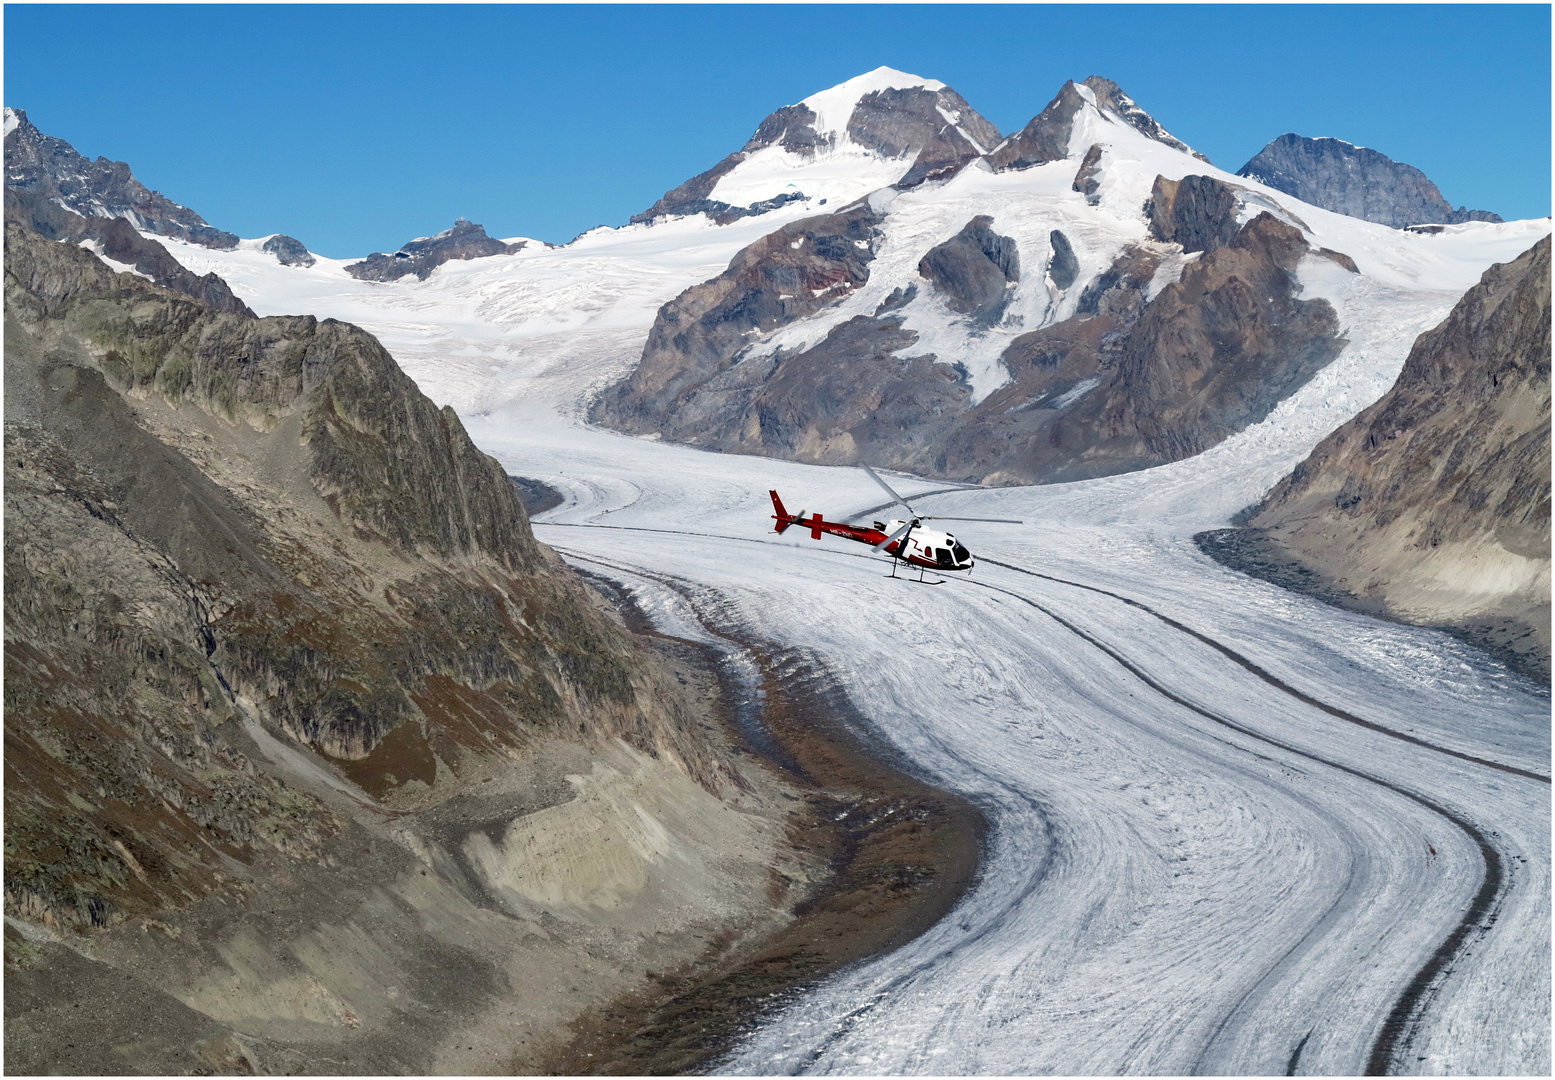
(889, 491)
(997, 521)
(894, 537)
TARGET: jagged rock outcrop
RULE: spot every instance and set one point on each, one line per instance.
(466, 240)
(973, 270)
(917, 121)
(288, 250)
(1062, 266)
(118, 240)
(1198, 212)
(1046, 137)
(1433, 505)
(53, 170)
(1218, 349)
(1087, 180)
(1354, 180)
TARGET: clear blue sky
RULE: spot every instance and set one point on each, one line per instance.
(355, 128)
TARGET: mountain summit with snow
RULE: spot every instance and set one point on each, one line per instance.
(882, 128)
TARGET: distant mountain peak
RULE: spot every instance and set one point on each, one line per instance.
(1354, 180)
(1046, 137)
(834, 107)
(53, 169)
(881, 128)
(465, 240)
(1111, 98)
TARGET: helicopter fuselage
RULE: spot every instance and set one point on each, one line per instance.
(922, 546)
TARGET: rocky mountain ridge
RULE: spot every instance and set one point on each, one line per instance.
(313, 753)
(465, 240)
(1433, 505)
(1355, 180)
(915, 129)
(783, 354)
(52, 169)
(116, 240)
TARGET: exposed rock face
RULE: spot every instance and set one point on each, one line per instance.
(1128, 381)
(973, 270)
(1046, 137)
(118, 240)
(789, 127)
(789, 275)
(466, 240)
(306, 737)
(1218, 349)
(1087, 181)
(933, 130)
(1354, 180)
(1433, 505)
(52, 169)
(895, 123)
(1198, 212)
(289, 251)
(1063, 267)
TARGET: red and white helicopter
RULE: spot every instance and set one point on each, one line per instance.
(905, 540)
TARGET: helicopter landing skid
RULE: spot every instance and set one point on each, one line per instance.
(919, 580)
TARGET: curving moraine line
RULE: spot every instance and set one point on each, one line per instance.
(843, 1024)
(1408, 1009)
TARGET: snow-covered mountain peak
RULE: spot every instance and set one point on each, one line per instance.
(1107, 96)
(881, 128)
(835, 107)
(14, 118)
(1051, 135)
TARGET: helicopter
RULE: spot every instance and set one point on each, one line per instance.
(906, 540)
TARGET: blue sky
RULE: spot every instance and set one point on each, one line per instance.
(356, 128)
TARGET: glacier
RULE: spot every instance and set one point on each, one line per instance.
(1198, 860)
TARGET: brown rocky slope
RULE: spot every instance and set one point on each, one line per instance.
(315, 760)
(1433, 505)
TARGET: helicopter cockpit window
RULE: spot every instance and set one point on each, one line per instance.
(962, 554)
